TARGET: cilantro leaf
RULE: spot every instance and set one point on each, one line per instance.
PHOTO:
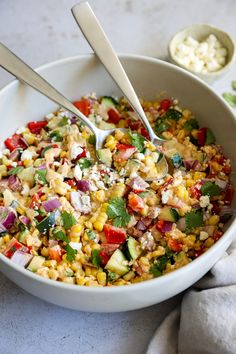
(56, 136)
(234, 85)
(68, 220)
(230, 98)
(15, 170)
(96, 259)
(193, 219)
(172, 114)
(161, 126)
(137, 140)
(60, 235)
(210, 137)
(159, 266)
(40, 176)
(117, 211)
(71, 253)
(191, 124)
(210, 188)
(84, 163)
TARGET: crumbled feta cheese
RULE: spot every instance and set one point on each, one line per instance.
(139, 156)
(165, 195)
(77, 173)
(76, 245)
(206, 56)
(204, 201)
(203, 235)
(6, 151)
(14, 164)
(27, 155)
(25, 190)
(75, 150)
(80, 202)
(147, 241)
(100, 185)
(49, 116)
(0, 154)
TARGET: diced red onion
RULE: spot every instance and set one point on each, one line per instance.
(7, 217)
(147, 221)
(21, 258)
(137, 183)
(181, 224)
(24, 219)
(14, 183)
(192, 165)
(167, 226)
(140, 226)
(41, 167)
(83, 185)
(73, 120)
(14, 155)
(51, 204)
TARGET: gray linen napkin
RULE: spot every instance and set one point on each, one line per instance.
(205, 323)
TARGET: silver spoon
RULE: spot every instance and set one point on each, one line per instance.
(102, 47)
(22, 71)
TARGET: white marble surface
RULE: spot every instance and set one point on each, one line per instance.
(43, 31)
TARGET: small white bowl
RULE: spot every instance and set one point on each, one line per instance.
(200, 32)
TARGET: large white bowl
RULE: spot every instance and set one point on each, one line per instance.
(75, 77)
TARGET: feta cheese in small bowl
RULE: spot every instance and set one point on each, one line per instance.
(204, 50)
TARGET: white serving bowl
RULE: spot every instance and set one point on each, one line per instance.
(200, 32)
(80, 75)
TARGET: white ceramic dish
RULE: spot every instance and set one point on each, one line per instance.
(200, 32)
(75, 77)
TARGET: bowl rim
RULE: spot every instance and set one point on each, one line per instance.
(208, 74)
(159, 281)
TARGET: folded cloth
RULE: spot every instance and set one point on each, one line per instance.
(205, 322)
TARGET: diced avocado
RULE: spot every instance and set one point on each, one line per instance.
(169, 214)
(27, 175)
(106, 126)
(133, 248)
(44, 225)
(105, 156)
(116, 263)
(108, 102)
(36, 263)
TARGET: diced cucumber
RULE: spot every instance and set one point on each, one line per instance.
(168, 214)
(133, 248)
(44, 225)
(36, 263)
(105, 156)
(108, 102)
(131, 166)
(27, 175)
(116, 263)
(210, 137)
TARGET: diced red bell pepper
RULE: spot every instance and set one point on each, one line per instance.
(133, 124)
(174, 245)
(13, 246)
(83, 106)
(195, 191)
(229, 195)
(136, 202)
(165, 104)
(55, 253)
(124, 152)
(109, 248)
(36, 127)
(217, 235)
(104, 257)
(201, 136)
(144, 133)
(114, 116)
(15, 141)
(71, 183)
(159, 225)
(114, 234)
(35, 201)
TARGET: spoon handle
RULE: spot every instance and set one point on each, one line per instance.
(101, 45)
(17, 67)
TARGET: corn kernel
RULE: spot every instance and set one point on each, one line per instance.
(88, 271)
(186, 113)
(167, 135)
(144, 211)
(76, 231)
(100, 196)
(199, 175)
(102, 278)
(53, 274)
(44, 252)
(80, 281)
(181, 134)
(190, 182)
(3, 170)
(209, 242)
(194, 133)
(214, 219)
(6, 238)
(121, 124)
(150, 146)
(129, 276)
(84, 134)
(29, 137)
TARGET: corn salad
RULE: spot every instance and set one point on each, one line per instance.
(68, 217)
